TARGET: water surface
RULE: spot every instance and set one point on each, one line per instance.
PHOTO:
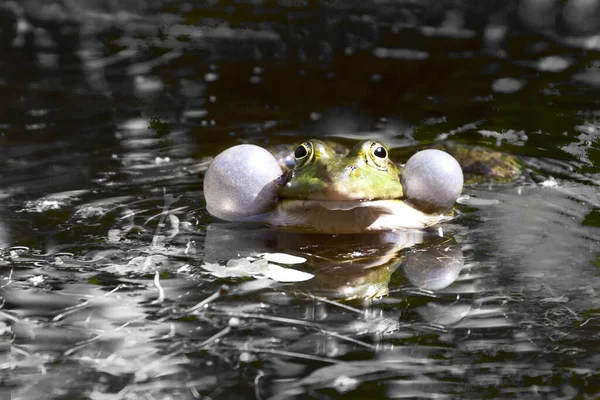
(104, 231)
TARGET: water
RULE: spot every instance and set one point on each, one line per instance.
(102, 298)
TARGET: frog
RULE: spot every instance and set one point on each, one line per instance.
(363, 190)
(325, 187)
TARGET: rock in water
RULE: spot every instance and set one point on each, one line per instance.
(432, 181)
(240, 183)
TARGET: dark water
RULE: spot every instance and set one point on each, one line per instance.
(103, 227)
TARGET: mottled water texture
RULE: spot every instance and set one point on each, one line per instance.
(117, 284)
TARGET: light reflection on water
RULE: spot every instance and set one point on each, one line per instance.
(101, 302)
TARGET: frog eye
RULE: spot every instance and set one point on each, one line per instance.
(377, 156)
(380, 152)
(303, 154)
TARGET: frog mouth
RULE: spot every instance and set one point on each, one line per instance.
(349, 216)
(337, 205)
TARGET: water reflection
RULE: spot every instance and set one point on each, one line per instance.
(434, 264)
(346, 266)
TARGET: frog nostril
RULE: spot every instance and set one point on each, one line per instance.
(351, 170)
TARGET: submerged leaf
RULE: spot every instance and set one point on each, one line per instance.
(281, 274)
(224, 272)
(261, 268)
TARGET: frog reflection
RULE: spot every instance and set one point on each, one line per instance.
(347, 266)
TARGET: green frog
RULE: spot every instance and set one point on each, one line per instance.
(364, 191)
(330, 189)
